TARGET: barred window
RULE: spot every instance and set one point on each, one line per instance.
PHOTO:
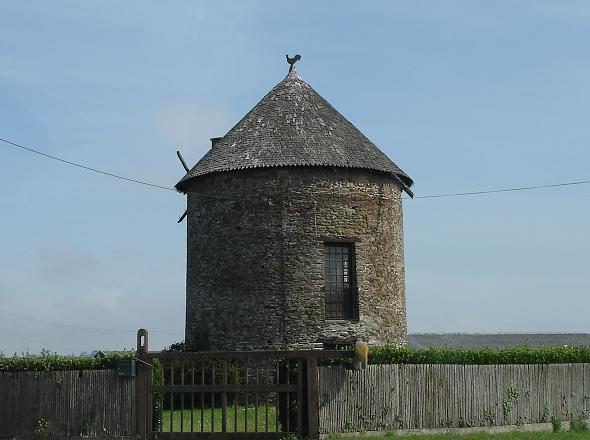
(340, 278)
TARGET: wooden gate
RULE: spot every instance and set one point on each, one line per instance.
(227, 395)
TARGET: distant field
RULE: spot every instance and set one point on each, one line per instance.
(482, 436)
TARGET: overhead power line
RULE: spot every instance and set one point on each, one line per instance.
(428, 196)
(19, 336)
(95, 170)
(100, 331)
(521, 188)
(105, 173)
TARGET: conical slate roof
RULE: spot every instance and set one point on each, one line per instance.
(293, 126)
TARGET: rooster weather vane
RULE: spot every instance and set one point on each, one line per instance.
(292, 61)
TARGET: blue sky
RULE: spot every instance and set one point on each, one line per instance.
(462, 95)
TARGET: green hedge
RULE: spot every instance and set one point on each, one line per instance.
(380, 355)
(54, 362)
(479, 356)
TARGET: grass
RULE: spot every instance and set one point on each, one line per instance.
(518, 435)
(239, 425)
(240, 411)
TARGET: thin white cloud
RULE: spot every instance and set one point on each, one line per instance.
(65, 264)
(571, 10)
(191, 128)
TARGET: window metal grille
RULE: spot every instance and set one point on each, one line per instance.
(340, 279)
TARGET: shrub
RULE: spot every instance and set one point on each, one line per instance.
(42, 430)
(473, 356)
(556, 424)
(579, 424)
(47, 361)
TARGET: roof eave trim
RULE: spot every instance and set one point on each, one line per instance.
(182, 184)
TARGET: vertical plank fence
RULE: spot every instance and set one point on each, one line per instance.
(387, 397)
(380, 398)
(67, 404)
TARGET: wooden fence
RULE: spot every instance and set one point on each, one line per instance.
(67, 403)
(387, 397)
(382, 397)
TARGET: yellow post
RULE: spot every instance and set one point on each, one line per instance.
(361, 355)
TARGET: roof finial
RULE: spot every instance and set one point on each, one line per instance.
(292, 61)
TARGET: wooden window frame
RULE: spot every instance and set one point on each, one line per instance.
(341, 290)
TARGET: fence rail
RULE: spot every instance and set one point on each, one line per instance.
(254, 394)
(67, 403)
(385, 397)
(243, 392)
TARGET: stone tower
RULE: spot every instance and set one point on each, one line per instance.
(294, 232)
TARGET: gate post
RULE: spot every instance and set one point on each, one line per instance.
(143, 397)
(312, 397)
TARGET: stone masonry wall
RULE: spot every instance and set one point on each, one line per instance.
(255, 257)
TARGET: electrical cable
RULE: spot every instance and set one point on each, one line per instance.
(95, 170)
(428, 196)
(100, 331)
(522, 188)
(106, 173)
